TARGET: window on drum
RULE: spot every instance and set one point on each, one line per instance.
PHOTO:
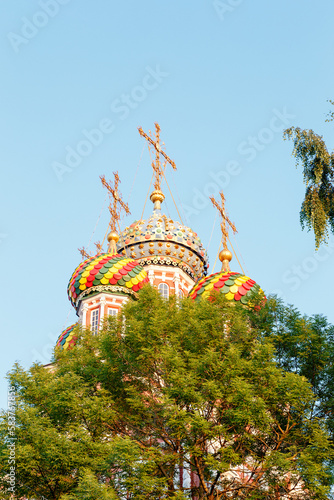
(163, 289)
(95, 321)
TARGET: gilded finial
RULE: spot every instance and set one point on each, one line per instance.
(225, 255)
(157, 196)
(112, 240)
(115, 208)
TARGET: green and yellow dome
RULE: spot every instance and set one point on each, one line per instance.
(67, 338)
(106, 273)
(235, 286)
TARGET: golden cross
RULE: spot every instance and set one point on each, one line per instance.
(155, 142)
(118, 204)
(225, 219)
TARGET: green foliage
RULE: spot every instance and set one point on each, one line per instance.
(89, 488)
(168, 391)
(58, 431)
(317, 210)
(330, 116)
(303, 345)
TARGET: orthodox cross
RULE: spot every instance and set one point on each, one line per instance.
(225, 219)
(225, 255)
(157, 168)
(115, 208)
(117, 202)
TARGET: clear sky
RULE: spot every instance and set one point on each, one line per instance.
(222, 78)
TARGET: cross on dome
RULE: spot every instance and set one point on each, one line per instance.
(115, 208)
(157, 196)
(225, 255)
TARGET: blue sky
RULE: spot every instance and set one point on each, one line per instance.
(223, 79)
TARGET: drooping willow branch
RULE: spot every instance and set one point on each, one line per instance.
(317, 210)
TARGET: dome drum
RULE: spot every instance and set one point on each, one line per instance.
(113, 289)
(167, 254)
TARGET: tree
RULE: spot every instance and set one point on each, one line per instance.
(317, 210)
(303, 345)
(58, 432)
(175, 399)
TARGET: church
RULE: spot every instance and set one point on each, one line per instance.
(165, 253)
(170, 257)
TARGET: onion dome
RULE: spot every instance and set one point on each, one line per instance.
(67, 338)
(160, 240)
(106, 273)
(236, 287)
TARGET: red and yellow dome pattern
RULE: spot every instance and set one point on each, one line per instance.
(67, 338)
(106, 272)
(236, 287)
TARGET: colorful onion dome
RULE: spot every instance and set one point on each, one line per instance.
(234, 286)
(106, 273)
(160, 240)
(67, 338)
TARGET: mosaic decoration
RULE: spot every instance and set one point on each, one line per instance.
(164, 240)
(106, 272)
(67, 338)
(235, 287)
